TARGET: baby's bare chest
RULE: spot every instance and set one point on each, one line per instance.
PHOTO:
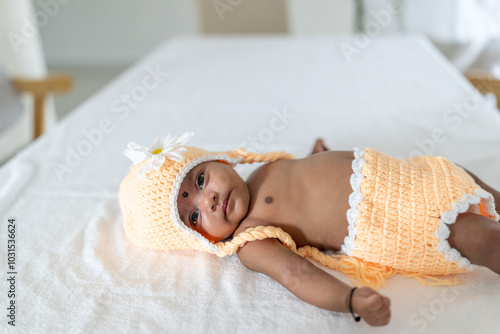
(306, 198)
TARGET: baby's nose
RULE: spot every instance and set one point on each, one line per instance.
(211, 201)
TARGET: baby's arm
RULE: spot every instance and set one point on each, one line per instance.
(312, 284)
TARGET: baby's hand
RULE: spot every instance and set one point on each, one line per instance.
(373, 308)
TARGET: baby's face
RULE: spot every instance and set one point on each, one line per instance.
(213, 200)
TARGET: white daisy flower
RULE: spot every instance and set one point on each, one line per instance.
(171, 147)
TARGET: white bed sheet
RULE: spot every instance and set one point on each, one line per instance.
(77, 273)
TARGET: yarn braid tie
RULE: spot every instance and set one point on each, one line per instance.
(250, 157)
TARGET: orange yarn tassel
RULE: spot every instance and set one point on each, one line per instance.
(431, 280)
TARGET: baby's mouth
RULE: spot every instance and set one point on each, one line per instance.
(224, 205)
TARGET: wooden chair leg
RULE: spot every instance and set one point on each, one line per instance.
(39, 119)
(486, 84)
(40, 88)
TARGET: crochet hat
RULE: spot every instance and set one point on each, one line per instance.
(148, 194)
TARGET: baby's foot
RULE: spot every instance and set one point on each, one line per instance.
(319, 147)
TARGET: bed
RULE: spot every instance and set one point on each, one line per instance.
(75, 272)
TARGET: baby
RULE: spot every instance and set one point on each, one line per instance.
(419, 217)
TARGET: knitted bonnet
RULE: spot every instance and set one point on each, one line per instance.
(148, 194)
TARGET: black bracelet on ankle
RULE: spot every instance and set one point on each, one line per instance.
(356, 318)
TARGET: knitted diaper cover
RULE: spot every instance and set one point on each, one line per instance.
(401, 209)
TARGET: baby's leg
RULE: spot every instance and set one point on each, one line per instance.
(494, 192)
(477, 238)
(319, 147)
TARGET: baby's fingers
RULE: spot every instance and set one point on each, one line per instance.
(377, 302)
(383, 319)
(378, 317)
(376, 309)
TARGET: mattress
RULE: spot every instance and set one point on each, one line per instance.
(73, 269)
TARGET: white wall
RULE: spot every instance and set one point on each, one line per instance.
(320, 16)
(109, 32)
(118, 32)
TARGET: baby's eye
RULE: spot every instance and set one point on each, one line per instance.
(194, 217)
(200, 180)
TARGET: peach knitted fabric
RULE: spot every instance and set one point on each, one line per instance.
(401, 209)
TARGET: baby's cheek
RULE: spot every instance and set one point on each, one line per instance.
(225, 177)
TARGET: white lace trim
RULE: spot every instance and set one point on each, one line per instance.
(449, 217)
(354, 199)
(174, 213)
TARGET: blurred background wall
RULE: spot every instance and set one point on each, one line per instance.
(111, 32)
(96, 40)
